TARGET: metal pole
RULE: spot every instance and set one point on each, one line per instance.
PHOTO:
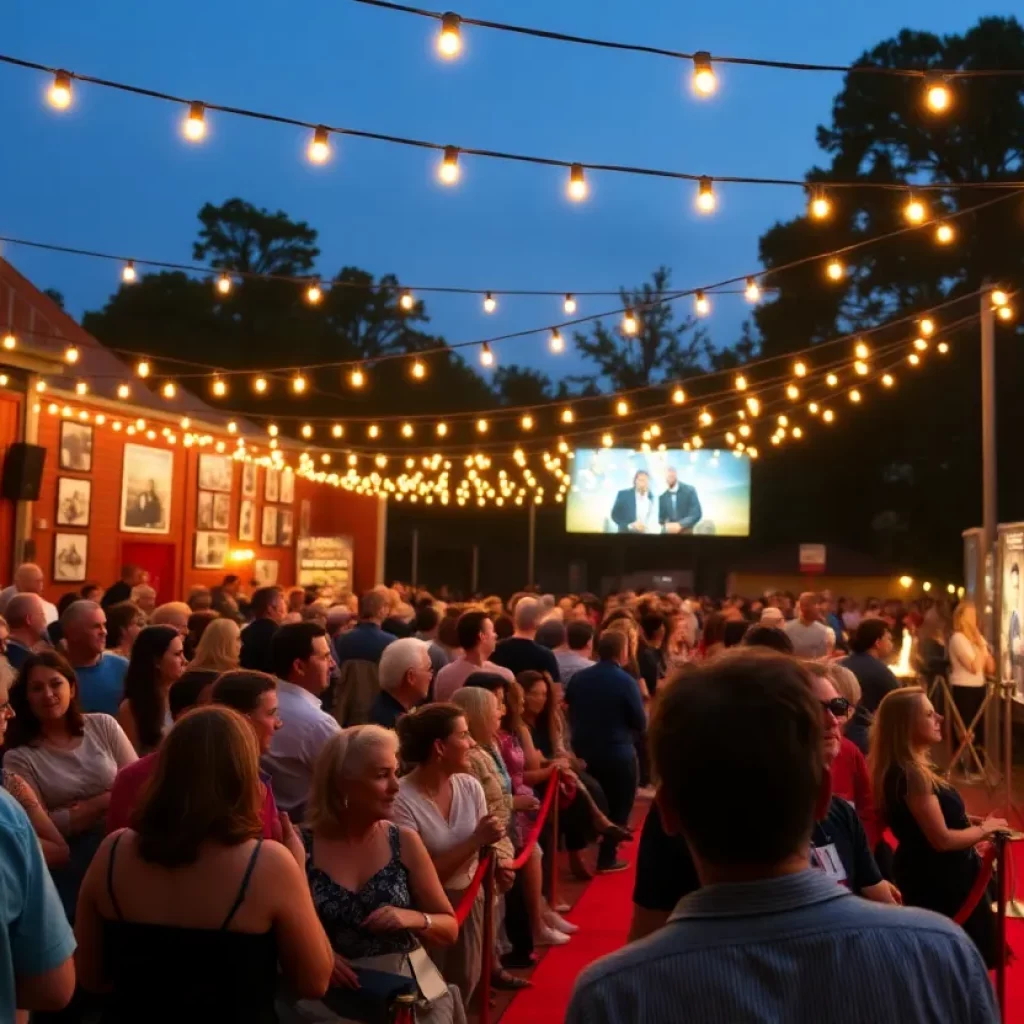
(531, 544)
(990, 515)
(413, 577)
(487, 954)
(1002, 850)
(474, 570)
(553, 863)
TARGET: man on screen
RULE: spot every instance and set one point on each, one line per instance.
(679, 509)
(634, 510)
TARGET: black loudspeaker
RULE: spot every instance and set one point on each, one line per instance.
(23, 472)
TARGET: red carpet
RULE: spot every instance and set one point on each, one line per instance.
(603, 913)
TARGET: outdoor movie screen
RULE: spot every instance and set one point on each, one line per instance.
(617, 490)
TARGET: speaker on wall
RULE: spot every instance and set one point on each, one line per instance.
(23, 472)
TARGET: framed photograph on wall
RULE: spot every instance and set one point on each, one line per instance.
(247, 520)
(70, 557)
(268, 534)
(272, 484)
(264, 571)
(288, 485)
(222, 511)
(285, 527)
(146, 482)
(74, 499)
(211, 551)
(75, 446)
(250, 472)
(204, 510)
(305, 510)
(215, 472)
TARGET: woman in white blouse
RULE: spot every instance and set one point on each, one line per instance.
(970, 660)
(67, 757)
(446, 806)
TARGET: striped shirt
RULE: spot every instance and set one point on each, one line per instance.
(798, 949)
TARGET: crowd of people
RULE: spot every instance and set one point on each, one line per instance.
(272, 805)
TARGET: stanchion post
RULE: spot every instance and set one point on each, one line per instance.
(1002, 882)
(553, 863)
(487, 955)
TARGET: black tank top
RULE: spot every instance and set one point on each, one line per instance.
(165, 973)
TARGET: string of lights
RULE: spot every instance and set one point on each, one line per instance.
(195, 128)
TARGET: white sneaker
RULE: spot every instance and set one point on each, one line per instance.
(549, 937)
(559, 923)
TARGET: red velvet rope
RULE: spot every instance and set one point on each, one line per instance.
(542, 815)
(980, 885)
(469, 896)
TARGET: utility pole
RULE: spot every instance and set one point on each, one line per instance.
(990, 514)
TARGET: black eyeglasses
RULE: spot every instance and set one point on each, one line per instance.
(839, 706)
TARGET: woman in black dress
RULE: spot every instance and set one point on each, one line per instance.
(935, 864)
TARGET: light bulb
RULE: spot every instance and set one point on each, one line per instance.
(59, 93)
(854, 395)
(490, 304)
(706, 200)
(373, 431)
(569, 305)
(449, 41)
(556, 342)
(1005, 313)
(195, 123)
(71, 355)
(314, 293)
(629, 323)
(224, 284)
(888, 380)
(834, 270)
(419, 369)
(568, 416)
(704, 80)
(915, 211)
(861, 351)
(482, 426)
(357, 378)
(128, 274)
(706, 419)
(753, 290)
(678, 396)
(920, 344)
(828, 415)
(337, 430)
(943, 348)
(622, 407)
(577, 187)
(745, 430)
(607, 440)
(701, 304)
(526, 422)
(142, 368)
(754, 405)
(123, 391)
(820, 207)
(307, 431)
(914, 359)
(169, 390)
(792, 392)
(407, 430)
(999, 297)
(927, 327)
(448, 169)
(812, 408)
(937, 95)
(741, 382)
(298, 384)
(81, 388)
(260, 385)
(319, 151)
(831, 380)
(486, 355)
(944, 234)
(272, 429)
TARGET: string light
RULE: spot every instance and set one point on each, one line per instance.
(920, 344)
(490, 305)
(407, 430)
(754, 405)
(71, 355)
(705, 418)
(128, 274)
(319, 151)
(706, 199)
(307, 430)
(828, 416)
(260, 385)
(741, 382)
(944, 234)
(937, 95)
(753, 290)
(482, 426)
(59, 93)
(813, 408)
(337, 431)
(556, 342)
(861, 368)
(81, 388)
(797, 433)
(704, 80)
(888, 380)
(314, 293)
(195, 123)
(123, 391)
(441, 429)
(526, 422)
(486, 355)
(169, 390)
(854, 395)
(449, 41)
(999, 297)
(224, 284)
(10, 342)
(142, 368)
(622, 407)
(406, 301)
(915, 211)
(418, 369)
(820, 207)
(701, 304)
(943, 348)
(577, 187)
(1005, 313)
(357, 378)
(569, 305)
(800, 369)
(861, 351)
(927, 327)
(448, 170)
(834, 270)
(914, 359)
(567, 416)
(831, 380)
(298, 384)
(607, 440)
(678, 396)
(373, 431)
(792, 392)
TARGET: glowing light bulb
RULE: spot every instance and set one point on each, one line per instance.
(373, 431)
(449, 41)
(915, 211)
(678, 396)
(792, 392)
(834, 270)
(1005, 313)
(314, 293)
(828, 416)
(407, 430)
(831, 380)
(298, 384)
(607, 440)
(753, 290)
(854, 395)
(224, 284)
(71, 355)
(556, 342)
(999, 297)
(142, 368)
(419, 369)
(307, 430)
(706, 199)
(741, 382)
(448, 169)
(81, 388)
(128, 273)
(337, 430)
(706, 419)
(914, 359)
(486, 355)
(319, 151)
(577, 187)
(800, 369)
(820, 206)
(861, 368)
(629, 323)
(59, 93)
(482, 426)
(888, 380)
(406, 301)
(944, 234)
(567, 416)
(526, 422)
(937, 95)
(861, 351)
(704, 80)
(943, 348)
(123, 391)
(569, 305)
(754, 405)
(490, 303)
(812, 408)
(701, 304)
(195, 123)
(921, 345)
(169, 390)
(622, 407)
(260, 385)
(357, 378)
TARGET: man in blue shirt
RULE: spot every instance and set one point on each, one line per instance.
(366, 642)
(606, 715)
(37, 971)
(737, 744)
(100, 673)
(871, 644)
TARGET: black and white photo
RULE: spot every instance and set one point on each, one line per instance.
(264, 572)
(76, 446)
(204, 510)
(211, 550)
(287, 485)
(250, 473)
(222, 511)
(215, 472)
(272, 484)
(247, 520)
(74, 498)
(268, 534)
(285, 527)
(146, 482)
(70, 555)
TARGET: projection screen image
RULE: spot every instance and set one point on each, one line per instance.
(676, 492)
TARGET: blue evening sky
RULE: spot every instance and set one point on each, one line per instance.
(114, 173)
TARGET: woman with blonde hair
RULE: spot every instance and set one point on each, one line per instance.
(219, 647)
(935, 865)
(970, 661)
(374, 886)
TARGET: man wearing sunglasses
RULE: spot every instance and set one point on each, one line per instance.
(839, 848)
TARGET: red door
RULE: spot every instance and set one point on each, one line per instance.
(158, 560)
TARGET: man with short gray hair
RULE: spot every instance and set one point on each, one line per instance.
(28, 579)
(521, 652)
(100, 672)
(404, 674)
(27, 621)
